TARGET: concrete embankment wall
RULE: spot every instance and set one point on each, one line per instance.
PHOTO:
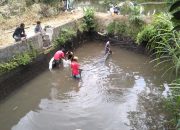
(14, 79)
(36, 41)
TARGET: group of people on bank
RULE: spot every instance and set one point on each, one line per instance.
(60, 57)
(19, 33)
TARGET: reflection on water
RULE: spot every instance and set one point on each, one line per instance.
(101, 100)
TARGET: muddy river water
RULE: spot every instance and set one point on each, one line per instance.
(101, 100)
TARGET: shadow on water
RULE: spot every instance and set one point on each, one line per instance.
(105, 98)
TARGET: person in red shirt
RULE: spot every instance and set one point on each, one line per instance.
(58, 56)
(75, 67)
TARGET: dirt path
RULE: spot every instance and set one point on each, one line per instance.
(105, 18)
(6, 36)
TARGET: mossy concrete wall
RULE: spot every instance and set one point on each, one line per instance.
(36, 41)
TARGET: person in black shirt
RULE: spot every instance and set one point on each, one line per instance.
(70, 55)
(19, 32)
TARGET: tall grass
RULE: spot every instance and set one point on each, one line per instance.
(164, 44)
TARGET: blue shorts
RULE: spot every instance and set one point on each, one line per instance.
(76, 76)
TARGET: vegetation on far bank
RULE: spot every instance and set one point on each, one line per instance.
(162, 39)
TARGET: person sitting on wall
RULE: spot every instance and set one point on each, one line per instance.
(58, 56)
(38, 28)
(75, 68)
(19, 32)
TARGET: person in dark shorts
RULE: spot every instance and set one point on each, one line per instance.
(19, 33)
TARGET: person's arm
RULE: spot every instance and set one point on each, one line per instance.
(24, 32)
(15, 32)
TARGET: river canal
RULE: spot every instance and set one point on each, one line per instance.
(102, 100)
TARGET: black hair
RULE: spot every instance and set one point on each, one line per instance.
(63, 50)
(38, 22)
(22, 25)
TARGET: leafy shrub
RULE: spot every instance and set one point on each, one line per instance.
(145, 35)
(163, 27)
(111, 28)
(88, 20)
(123, 29)
(154, 33)
(136, 20)
(65, 35)
(18, 60)
(22, 59)
(6, 67)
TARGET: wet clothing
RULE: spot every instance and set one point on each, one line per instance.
(58, 55)
(75, 68)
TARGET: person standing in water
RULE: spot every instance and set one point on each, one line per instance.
(70, 55)
(58, 56)
(107, 48)
(75, 68)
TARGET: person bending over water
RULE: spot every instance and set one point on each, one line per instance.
(58, 56)
(70, 55)
(75, 68)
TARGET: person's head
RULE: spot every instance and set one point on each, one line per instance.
(69, 53)
(75, 58)
(22, 25)
(63, 50)
(38, 22)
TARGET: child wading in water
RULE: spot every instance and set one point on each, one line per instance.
(75, 67)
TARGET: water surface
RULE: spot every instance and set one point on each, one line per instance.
(102, 100)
